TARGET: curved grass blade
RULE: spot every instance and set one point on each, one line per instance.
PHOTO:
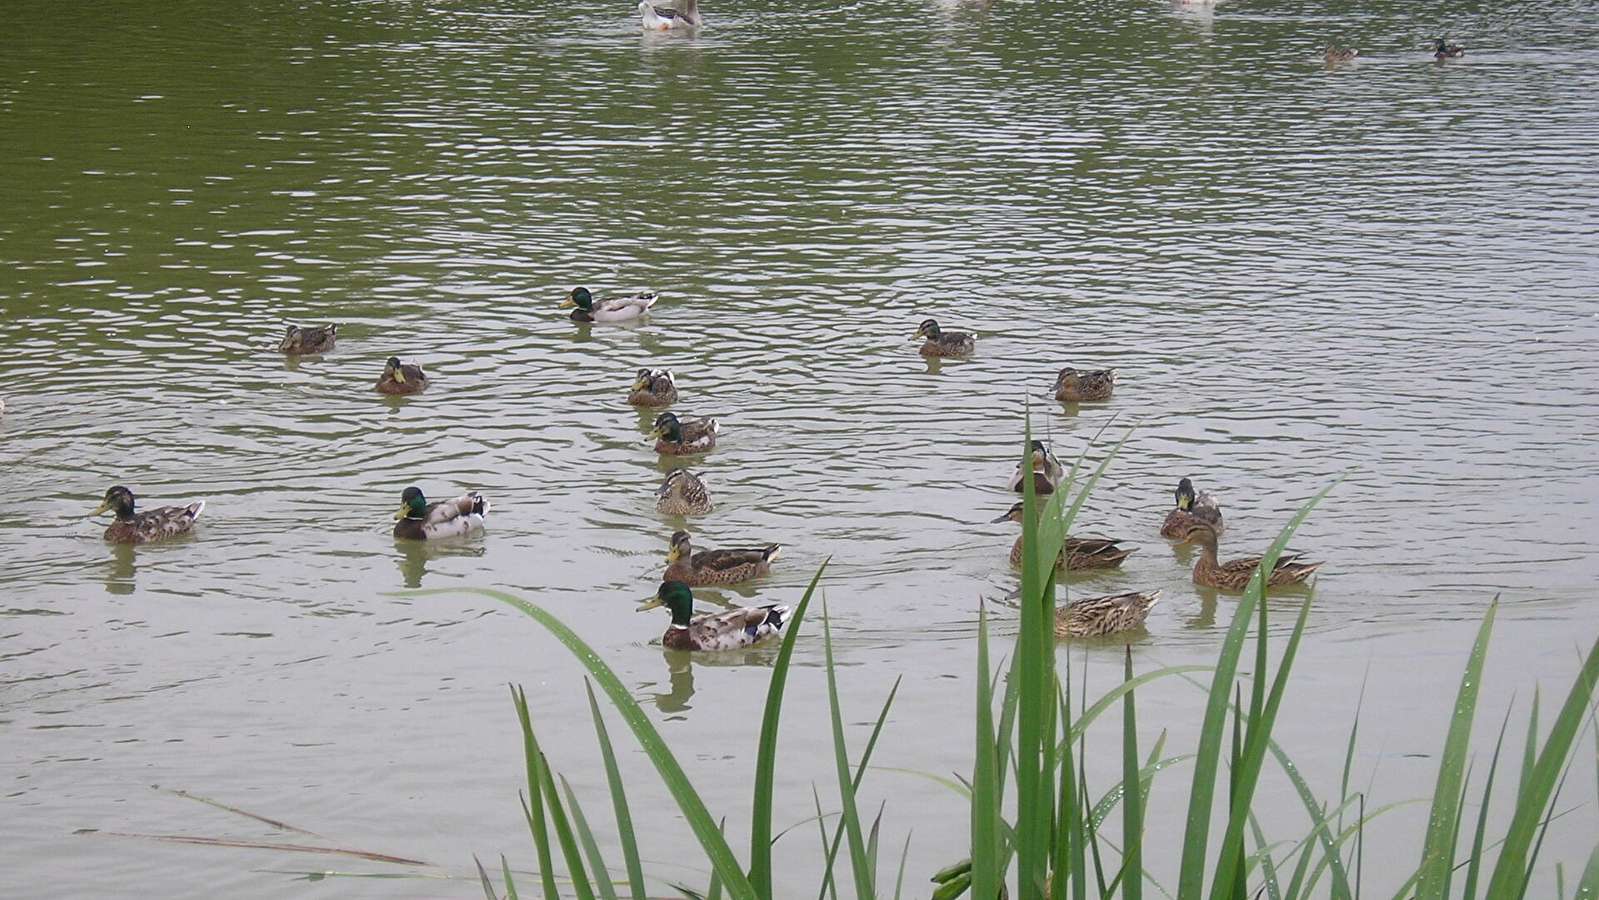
(591, 848)
(533, 800)
(860, 864)
(619, 807)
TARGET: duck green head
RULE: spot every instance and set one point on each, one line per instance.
(929, 329)
(667, 428)
(1185, 495)
(119, 500)
(580, 298)
(412, 504)
(676, 596)
(1440, 45)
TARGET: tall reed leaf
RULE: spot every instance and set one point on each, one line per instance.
(533, 802)
(1133, 799)
(860, 862)
(985, 875)
(624, 817)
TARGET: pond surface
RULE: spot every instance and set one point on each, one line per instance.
(1384, 271)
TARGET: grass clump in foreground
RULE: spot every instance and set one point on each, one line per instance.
(1055, 844)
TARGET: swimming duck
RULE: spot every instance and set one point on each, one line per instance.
(1191, 508)
(401, 378)
(1233, 575)
(715, 566)
(297, 340)
(1092, 384)
(682, 493)
(661, 18)
(1047, 471)
(653, 387)
(944, 343)
(1094, 616)
(679, 437)
(420, 520)
(144, 527)
(1336, 54)
(608, 309)
(1442, 49)
(1079, 554)
(728, 630)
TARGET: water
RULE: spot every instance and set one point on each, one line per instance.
(1383, 271)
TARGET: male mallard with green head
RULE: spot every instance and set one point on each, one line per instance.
(1191, 508)
(419, 520)
(608, 309)
(1233, 575)
(1094, 616)
(297, 341)
(1442, 49)
(943, 343)
(653, 387)
(730, 630)
(401, 378)
(715, 566)
(682, 493)
(1072, 386)
(133, 527)
(1045, 468)
(679, 437)
(1079, 554)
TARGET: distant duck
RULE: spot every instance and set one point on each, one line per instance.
(1095, 616)
(1442, 49)
(943, 343)
(1191, 508)
(715, 566)
(297, 340)
(608, 309)
(1046, 470)
(419, 520)
(653, 387)
(401, 378)
(1336, 54)
(682, 493)
(133, 527)
(1234, 574)
(2, 409)
(1091, 384)
(679, 437)
(662, 18)
(730, 630)
(1078, 554)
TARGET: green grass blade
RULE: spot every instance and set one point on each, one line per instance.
(1133, 802)
(1474, 861)
(1035, 684)
(510, 883)
(1268, 866)
(483, 876)
(1588, 885)
(985, 873)
(619, 807)
(860, 775)
(904, 857)
(860, 865)
(1110, 697)
(581, 884)
(533, 803)
(591, 847)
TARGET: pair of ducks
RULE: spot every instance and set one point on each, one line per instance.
(1441, 49)
(397, 377)
(1071, 385)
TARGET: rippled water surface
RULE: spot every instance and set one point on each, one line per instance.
(1384, 271)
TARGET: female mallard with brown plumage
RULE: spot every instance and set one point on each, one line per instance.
(682, 493)
(401, 378)
(1442, 49)
(1233, 575)
(678, 437)
(1046, 470)
(133, 527)
(715, 566)
(1072, 385)
(653, 387)
(943, 343)
(1094, 616)
(1191, 508)
(730, 630)
(1079, 554)
(420, 520)
(1337, 55)
(297, 340)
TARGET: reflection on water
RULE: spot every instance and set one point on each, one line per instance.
(121, 569)
(414, 556)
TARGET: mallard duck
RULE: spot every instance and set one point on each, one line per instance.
(608, 309)
(1094, 616)
(297, 340)
(143, 527)
(653, 387)
(1078, 553)
(715, 566)
(1094, 384)
(1046, 469)
(420, 520)
(1442, 49)
(682, 493)
(1233, 575)
(661, 18)
(1191, 508)
(728, 630)
(944, 343)
(679, 437)
(401, 378)
(1336, 54)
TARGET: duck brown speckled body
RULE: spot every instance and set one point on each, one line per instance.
(146, 527)
(730, 630)
(682, 493)
(1078, 554)
(944, 343)
(653, 387)
(1234, 574)
(715, 566)
(1442, 49)
(297, 340)
(1191, 509)
(1095, 616)
(1072, 386)
(1336, 55)
(401, 378)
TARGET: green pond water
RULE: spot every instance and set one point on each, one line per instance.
(1385, 270)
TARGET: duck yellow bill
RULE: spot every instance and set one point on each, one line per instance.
(650, 604)
(673, 555)
(567, 302)
(404, 511)
(399, 375)
(657, 433)
(104, 505)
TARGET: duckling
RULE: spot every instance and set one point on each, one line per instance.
(420, 520)
(1191, 508)
(715, 566)
(144, 527)
(653, 387)
(662, 18)
(401, 378)
(1072, 386)
(682, 493)
(1046, 469)
(297, 340)
(680, 437)
(1336, 55)
(1233, 575)
(944, 343)
(1442, 49)
(1094, 616)
(1079, 554)
(609, 309)
(728, 630)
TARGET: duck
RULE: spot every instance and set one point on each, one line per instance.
(653, 387)
(1336, 54)
(944, 343)
(715, 566)
(679, 437)
(1079, 554)
(133, 527)
(662, 18)
(682, 493)
(609, 309)
(1442, 49)
(1047, 471)
(297, 340)
(729, 630)
(1072, 386)
(1095, 616)
(1234, 574)
(419, 520)
(2, 409)
(1191, 508)
(401, 378)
